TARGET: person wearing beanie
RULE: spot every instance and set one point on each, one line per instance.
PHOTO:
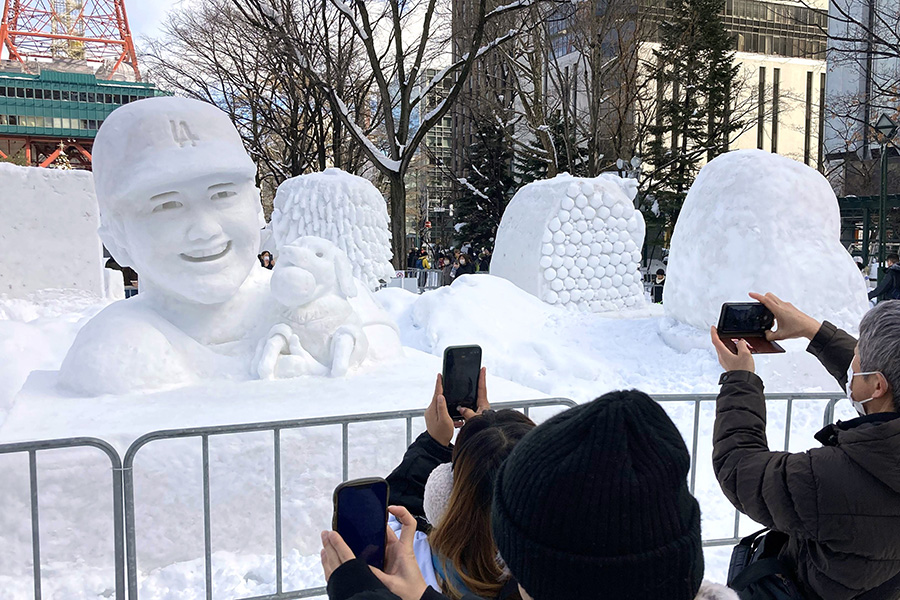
(592, 504)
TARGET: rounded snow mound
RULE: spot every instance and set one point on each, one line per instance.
(574, 242)
(755, 221)
(342, 208)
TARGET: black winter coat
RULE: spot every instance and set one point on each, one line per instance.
(889, 286)
(407, 481)
(840, 504)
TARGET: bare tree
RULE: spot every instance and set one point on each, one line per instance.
(397, 38)
(209, 52)
(864, 55)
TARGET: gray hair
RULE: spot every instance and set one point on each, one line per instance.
(879, 344)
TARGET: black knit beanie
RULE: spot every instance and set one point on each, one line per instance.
(594, 504)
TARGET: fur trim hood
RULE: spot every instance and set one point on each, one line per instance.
(714, 591)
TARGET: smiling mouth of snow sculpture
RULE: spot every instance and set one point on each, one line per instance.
(178, 203)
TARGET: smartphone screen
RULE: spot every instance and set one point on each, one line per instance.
(361, 518)
(745, 317)
(462, 366)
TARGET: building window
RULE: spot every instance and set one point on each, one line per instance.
(20, 92)
(807, 123)
(82, 124)
(82, 96)
(56, 95)
(92, 124)
(761, 109)
(57, 122)
(13, 120)
(107, 98)
(91, 97)
(29, 93)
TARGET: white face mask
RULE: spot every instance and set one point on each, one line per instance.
(857, 404)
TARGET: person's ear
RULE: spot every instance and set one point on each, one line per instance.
(882, 387)
(110, 234)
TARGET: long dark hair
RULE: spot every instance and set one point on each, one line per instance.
(463, 537)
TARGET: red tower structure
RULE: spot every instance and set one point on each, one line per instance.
(83, 30)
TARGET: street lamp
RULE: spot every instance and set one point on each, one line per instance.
(887, 128)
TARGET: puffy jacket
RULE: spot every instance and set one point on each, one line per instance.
(840, 504)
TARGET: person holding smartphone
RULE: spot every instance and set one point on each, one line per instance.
(445, 492)
(839, 505)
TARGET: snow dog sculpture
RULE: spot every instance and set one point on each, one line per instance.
(574, 242)
(756, 221)
(321, 333)
(179, 204)
(345, 209)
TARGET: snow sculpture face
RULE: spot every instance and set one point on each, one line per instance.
(574, 242)
(755, 221)
(177, 198)
(309, 268)
(345, 209)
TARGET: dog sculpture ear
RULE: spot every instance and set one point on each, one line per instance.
(344, 272)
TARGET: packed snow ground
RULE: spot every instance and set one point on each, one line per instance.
(553, 350)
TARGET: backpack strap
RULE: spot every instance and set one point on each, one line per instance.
(754, 572)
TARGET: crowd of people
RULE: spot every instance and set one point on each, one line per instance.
(594, 503)
(451, 262)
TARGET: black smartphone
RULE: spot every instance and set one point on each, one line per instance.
(360, 516)
(748, 321)
(745, 318)
(462, 366)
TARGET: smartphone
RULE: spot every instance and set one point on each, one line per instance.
(360, 516)
(748, 321)
(462, 367)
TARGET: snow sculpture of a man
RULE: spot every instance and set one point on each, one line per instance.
(178, 203)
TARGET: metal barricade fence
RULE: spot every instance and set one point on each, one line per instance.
(125, 543)
(32, 448)
(276, 427)
(698, 399)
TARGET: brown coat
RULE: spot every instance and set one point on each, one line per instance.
(840, 504)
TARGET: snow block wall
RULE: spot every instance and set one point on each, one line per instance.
(48, 231)
(344, 209)
(755, 221)
(574, 242)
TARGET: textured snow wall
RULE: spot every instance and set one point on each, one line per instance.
(574, 242)
(48, 231)
(755, 221)
(344, 209)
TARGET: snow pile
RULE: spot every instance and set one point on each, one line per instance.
(574, 242)
(755, 221)
(48, 231)
(344, 209)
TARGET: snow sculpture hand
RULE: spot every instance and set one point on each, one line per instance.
(320, 332)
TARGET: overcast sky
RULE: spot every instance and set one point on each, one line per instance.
(145, 16)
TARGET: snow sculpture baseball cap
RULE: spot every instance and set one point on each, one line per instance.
(594, 503)
(145, 145)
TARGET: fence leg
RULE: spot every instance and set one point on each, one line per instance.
(35, 524)
(695, 445)
(345, 451)
(278, 549)
(207, 541)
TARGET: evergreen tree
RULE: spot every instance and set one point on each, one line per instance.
(489, 185)
(695, 72)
